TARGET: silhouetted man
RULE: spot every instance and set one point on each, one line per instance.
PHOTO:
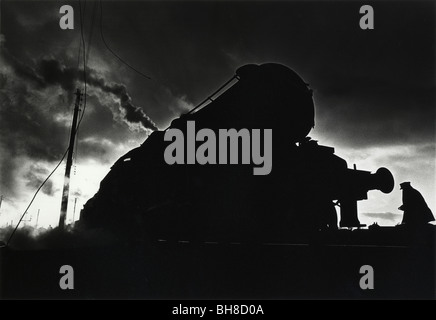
(416, 211)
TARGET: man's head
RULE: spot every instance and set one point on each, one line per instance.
(405, 185)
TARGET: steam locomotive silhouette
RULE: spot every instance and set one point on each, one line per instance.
(143, 194)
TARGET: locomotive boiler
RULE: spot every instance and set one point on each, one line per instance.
(143, 194)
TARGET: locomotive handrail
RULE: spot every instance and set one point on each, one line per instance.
(213, 94)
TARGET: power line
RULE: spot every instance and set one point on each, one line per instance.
(85, 60)
(79, 54)
(34, 196)
(84, 64)
(66, 151)
(91, 28)
(78, 66)
(75, 126)
(111, 51)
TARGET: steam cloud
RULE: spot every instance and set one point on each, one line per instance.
(51, 72)
(35, 176)
(386, 215)
(30, 238)
(27, 120)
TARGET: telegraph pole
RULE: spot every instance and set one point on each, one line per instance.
(74, 211)
(1, 200)
(37, 218)
(66, 190)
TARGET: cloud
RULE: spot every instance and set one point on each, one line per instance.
(366, 99)
(26, 122)
(364, 96)
(370, 117)
(8, 166)
(51, 72)
(22, 70)
(97, 148)
(35, 176)
(386, 216)
(33, 125)
(76, 193)
(29, 238)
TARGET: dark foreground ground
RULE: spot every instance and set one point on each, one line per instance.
(327, 268)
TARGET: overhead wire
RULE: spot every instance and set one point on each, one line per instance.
(86, 53)
(146, 76)
(91, 28)
(112, 51)
(68, 148)
(84, 65)
(34, 196)
(79, 54)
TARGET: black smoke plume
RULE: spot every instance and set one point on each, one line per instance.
(50, 72)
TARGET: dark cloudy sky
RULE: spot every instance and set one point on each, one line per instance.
(374, 89)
